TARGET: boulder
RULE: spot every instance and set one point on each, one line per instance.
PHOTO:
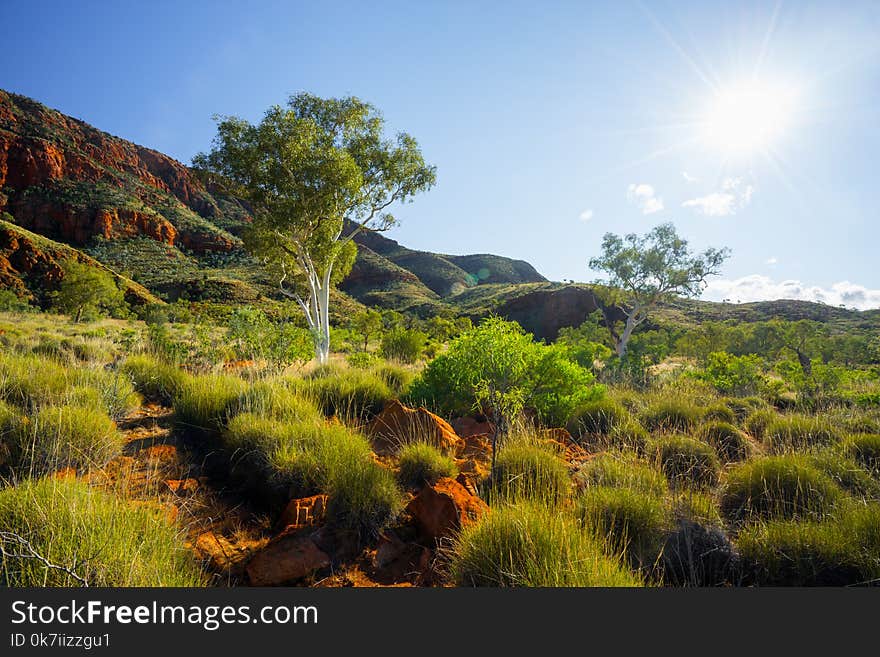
(396, 561)
(398, 424)
(289, 556)
(470, 426)
(182, 487)
(304, 512)
(441, 509)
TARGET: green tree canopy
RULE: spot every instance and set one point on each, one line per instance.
(86, 290)
(316, 172)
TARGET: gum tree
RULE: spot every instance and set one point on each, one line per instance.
(315, 173)
(647, 269)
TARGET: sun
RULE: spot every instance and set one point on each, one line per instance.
(747, 117)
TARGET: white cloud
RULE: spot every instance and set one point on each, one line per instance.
(688, 178)
(772, 260)
(734, 195)
(756, 287)
(644, 196)
(586, 215)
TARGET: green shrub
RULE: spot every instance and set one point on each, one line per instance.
(155, 380)
(758, 421)
(671, 415)
(686, 461)
(597, 417)
(204, 402)
(525, 471)
(621, 470)
(361, 360)
(530, 545)
(358, 394)
(729, 442)
(65, 436)
(777, 486)
(403, 344)
(865, 448)
(798, 432)
(633, 521)
(837, 552)
(420, 463)
(96, 535)
(719, 413)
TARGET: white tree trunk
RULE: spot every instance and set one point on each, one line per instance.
(631, 322)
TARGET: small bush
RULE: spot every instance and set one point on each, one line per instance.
(420, 463)
(633, 521)
(597, 417)
(865, 448)
(361, 360)
(671, 415)
(402, 344)
(758, 421)
(719, 413)
(529, 545)
(798, 432)
(729, 442)
(777, 487)
(837, 552)
(686, 461)
(529, 472)
(157, 381)
(96, 535)
(621, 470)
(65, 436)
(358, 394)
(204, 402)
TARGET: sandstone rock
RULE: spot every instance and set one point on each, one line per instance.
(398, 424)
(468, 426)
(441, 509)
(288, 557)
(182, 487)
(159, 453)
(304, 512)
(396, 561)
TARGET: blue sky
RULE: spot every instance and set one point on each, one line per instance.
(550, 123)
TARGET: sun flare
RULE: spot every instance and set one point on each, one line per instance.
(747, 117)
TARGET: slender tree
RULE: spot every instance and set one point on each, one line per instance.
(647, 269)
(315, 172)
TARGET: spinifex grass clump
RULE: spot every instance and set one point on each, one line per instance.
(155, 380)
(729, 442)
(422, 463)
(686, 461)
(397, 377)
(865, 448)
(671, 415)
(628, 436)
(742, 407)
(97, 536)
(778, 487)
(719, 412)
(845, 472)
(757, 422)
(63, 436)
(838, 551)
(273, 399)
(351, 393)
(622, 470)
(204, 402)
(597, 417)
(799, 432)
(527, 471)
(633, 521)
(531, 545)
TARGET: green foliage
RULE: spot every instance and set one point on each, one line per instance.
(529, 545)
(671, 415)
(96, 535)
(367, 323)
(255, 337)
(634, 522)
(361, 360)
(204, 402)
(155, 380)
(686, 461)
(402, 344)
(799, 432)
(778, 487)
(841, 551)
(87, 291)
(525, 471)
(601, 416)
(622, 470)
(11, 303)
(732, 374)
(420, 463)
(351, 393)
(729, 442)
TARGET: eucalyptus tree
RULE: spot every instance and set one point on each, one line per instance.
(646, 269)
(315, 173)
